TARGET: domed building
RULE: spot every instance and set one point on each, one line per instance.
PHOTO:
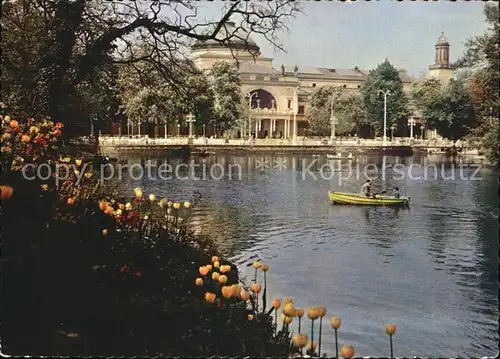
(278, 96)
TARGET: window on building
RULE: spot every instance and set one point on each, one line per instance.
(359, 86)
(252, 77)
(345, 86)
(314, 85)
(266, 78)
(289, 104)
(301, 110)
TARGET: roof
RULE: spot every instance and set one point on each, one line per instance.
(249, 67)
(238, 38)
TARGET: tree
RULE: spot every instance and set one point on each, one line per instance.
(384, 77)
(348, 109)
(449, 110)
(227, 90)
(50, 47)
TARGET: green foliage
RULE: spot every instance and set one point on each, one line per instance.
(384, 77)
(448, 110)
(227, 90)
(347, 108)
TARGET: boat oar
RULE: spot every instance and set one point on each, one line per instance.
(382, 192)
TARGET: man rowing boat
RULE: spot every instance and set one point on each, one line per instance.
(366, 189)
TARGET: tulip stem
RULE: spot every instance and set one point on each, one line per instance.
(390, 340)
(312, 337)
(275, 321)
(299, 323)
(336, 345)
(319, 341)
(255, 278)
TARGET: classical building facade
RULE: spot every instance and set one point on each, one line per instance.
(278, 96)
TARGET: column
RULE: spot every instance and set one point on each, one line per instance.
(257, 128)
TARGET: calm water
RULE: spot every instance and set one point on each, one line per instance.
(432, 269)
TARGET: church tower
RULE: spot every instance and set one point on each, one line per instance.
(441, 69)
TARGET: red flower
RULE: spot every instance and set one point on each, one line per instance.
(133, 218)
(124, 268)
(138, 274)
(59, 125)
(57, 133)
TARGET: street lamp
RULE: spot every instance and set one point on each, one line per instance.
(393, 127)
(178, 129)
(190, 119)
(204, 130)
(422, 128)
(273, 120)
(385, 93)
(250, 96)
(411, 123)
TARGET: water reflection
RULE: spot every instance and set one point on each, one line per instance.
(432, 268)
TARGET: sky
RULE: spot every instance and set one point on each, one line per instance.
(343, 35)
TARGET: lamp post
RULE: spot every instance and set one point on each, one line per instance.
(271, 125)
(332, 120)
(250, 96)
(190, 119)
(422, 128)
(411, 123)
(257, 121)
(295, 108)
(393, 127)
(204, 130)
(178, 129)
(385, 93)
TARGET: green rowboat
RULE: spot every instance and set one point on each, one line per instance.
(356, 199)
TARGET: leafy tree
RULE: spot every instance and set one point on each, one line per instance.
(347, 108)
(448, 110)
(227, 91)
(50, 47)
(384, 77)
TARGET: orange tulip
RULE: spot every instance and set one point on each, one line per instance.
(25, 138)
(222, 279)
(14, 124)
(215, 259)
(121, 206)
(312, 313)
(209, 266)
(210, 297)
(235, 290)
(203, 270)
(215, 276)
(7, 192)
(289, 310)
(286, 319)
(336, 322)
(177, 205)
(300, 312)
(70, 201)
(103, 205)
(347, 351)
(276, 303)
(225, 269)
(109, 210)
(287, 300)
(300, 340)
(256, 288)
(256, 265)
(244, 295)
(199, 281)
(265, 268)
(321, 311)
(390, 329)
(250, 317)
(216, 264)
(104, 232)
(227, 292)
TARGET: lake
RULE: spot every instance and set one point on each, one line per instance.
(432, 268)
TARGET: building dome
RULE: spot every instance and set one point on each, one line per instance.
(237, 40)
(442, 40)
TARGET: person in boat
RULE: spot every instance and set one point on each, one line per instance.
(366, 190)
(396, 192)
